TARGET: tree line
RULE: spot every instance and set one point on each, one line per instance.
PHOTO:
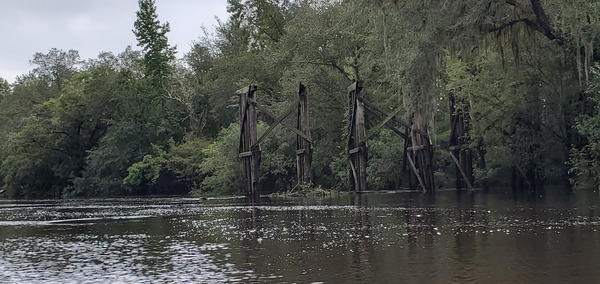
(143, 122)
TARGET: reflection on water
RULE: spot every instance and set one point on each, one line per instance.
(449, 237)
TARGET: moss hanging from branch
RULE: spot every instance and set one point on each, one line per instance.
(425, 29)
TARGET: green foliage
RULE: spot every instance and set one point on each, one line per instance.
(56, 67)
(586, 160)
(252, 25)
(523, 112)
(222, 171)
(107, 163)
(278, 160)
(4, 89)
(147, 171)
(51, 144)
(141, 122)
(385, 161)
(185, 160)
(152, 37)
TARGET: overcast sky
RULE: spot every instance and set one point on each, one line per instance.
(91, 26)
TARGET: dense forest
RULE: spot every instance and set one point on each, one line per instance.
(144, 122)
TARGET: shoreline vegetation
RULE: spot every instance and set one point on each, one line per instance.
(509, 90)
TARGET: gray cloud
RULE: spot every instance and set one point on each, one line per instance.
(91, 26)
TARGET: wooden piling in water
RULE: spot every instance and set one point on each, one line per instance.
(419, 154)
(357, 142)
(249, 147)
(418, 151)
(303, 146)
(460, 151)
(248, 137)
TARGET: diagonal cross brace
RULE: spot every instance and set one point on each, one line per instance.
(462, 171)
(414, 168)
(279, 120)
(384, 122)
(389, 125)
(373, 106)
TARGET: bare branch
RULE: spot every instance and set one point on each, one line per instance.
(185, 94)
(543, 22)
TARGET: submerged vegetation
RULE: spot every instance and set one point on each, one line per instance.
(143, 122)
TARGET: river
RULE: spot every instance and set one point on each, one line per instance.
(405, 237)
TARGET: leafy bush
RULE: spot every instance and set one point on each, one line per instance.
(220, 168)
(147, 171)
(172, 171)
(585, 162)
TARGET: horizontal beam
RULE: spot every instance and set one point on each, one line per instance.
(415, 148)
(459, 147)
(245, 154)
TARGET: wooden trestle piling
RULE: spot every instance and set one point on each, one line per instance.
(249, 148)
(418, 151)
(419, 154)
(357, 142)
(460, 152)
(249, 155)
(303, 145)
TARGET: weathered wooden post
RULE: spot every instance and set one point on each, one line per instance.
(303, 146)
(414, 177)
(407, 173)
(426, 160)
(248, 137)
(459, 146)
(357, 143)
(420, 158)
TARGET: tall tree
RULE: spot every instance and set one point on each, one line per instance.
(152, 37)
(145, 119)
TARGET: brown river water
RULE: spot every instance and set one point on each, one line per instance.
(402, 237)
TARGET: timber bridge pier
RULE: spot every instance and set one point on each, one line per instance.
(417, 154)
